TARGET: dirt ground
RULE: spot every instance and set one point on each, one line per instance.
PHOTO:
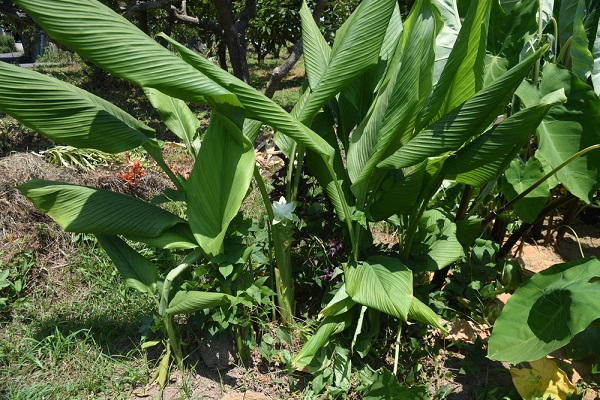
(18, 219)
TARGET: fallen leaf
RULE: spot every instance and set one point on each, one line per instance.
(543, 379)
(462, 330)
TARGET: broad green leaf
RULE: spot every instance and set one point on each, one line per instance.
(398, 196)
(357, 47)
(394, 112)
(565, 17)
(362, 89)
(569, 128)
(329, 327)
(547, 312)
(107, 39)
(519, 178)
(508, 5)
(316, 50)
(66, 113)
(581, 58)
(585, 343)
(547, 9)
(596, 56)
(381, 282)
(177, 116)
(466, 121)
(340, 304)
(419, 311)
(219, 181)
(139, 273)
(462, 76)
(189, 302)
(179, 236)
(256, 104)
(447, 37)
(323, 123)
(484, 158)
(508, 34)
(386, 386)
(435, 245)
(89, 210)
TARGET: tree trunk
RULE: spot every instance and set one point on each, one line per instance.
(222, 54)
(280, 72)
(143, 21)
(235, 46)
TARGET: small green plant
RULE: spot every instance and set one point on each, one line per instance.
(7, 44)
(13, 280)
(75, 158)
(54, 55)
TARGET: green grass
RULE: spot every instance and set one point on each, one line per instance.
(75, 333)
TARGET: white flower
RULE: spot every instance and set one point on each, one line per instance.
(283, 210)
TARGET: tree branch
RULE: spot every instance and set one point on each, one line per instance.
(281, 71)
(146, 6)
(211, 26)
(15, 14)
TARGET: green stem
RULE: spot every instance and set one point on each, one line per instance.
(269, 208)
(397, 349)
(347, 214)
(415, 217)
(555, 26)
(536, 71)
(174, 340)
(290, 172)
(282, 274)
(172, 275)
(284, 282)
(298, 174)
(509, 204)
(263, 192)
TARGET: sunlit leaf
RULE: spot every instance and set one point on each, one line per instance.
(381, 282)
(139, 273)
(582, 61)
(177, 116)
(67, 114)
(596, 56)
(462, 76)
(445, 40)
(543, 380)
(466, 121)
(547, 311)
(519, 178)
(89, 210)
(568, 129)
(189, 302)
(219, 181)
(102, 36)
(316, 50)
(484, 158)
(435, 245)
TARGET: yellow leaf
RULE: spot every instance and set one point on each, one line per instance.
(543, 379)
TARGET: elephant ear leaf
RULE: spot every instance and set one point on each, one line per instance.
(547, 312)
(567, 129)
